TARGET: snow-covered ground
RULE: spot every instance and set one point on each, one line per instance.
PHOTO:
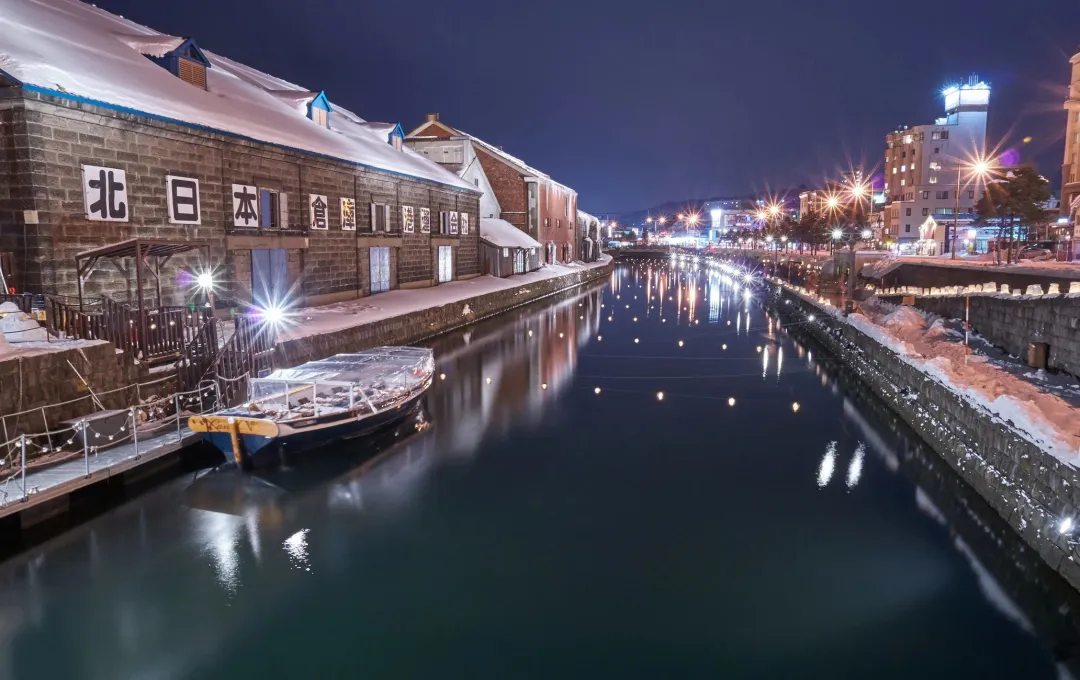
(22, 336)
(308, 321)
(1043, 408)
(1052, 267)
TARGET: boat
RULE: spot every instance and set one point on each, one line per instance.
(342, 397)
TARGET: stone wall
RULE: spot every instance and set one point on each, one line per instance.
(410, 328)
(1013, 323)
(46, 140)
(1030, 489)
(930, 275)
(43, 379)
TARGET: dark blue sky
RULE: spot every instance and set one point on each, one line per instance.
(636, 102)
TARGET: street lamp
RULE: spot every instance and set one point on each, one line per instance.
(978, 169)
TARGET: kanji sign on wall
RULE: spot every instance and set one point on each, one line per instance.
(464, 223)
(245, 206)
(408, 219)
(348, 214)
(317, 206)
(182, 196)
(105, 194)
(425, 220)
(452, 221)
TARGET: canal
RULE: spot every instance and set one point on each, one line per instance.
(649, 478)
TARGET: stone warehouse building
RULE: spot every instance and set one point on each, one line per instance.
(524, 196)
(111, 131)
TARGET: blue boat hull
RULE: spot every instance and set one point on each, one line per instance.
(265, 451)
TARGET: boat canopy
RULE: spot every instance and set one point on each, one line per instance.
(366, 368)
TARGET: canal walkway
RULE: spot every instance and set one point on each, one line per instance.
(58, 480)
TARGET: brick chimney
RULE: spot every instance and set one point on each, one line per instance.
(432, 117)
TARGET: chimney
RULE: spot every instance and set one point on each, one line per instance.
(432, 117)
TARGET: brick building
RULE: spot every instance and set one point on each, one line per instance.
(111, 131)
(527, 198)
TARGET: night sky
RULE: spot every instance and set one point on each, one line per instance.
(633, 103)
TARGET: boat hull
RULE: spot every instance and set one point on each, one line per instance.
(262, 451)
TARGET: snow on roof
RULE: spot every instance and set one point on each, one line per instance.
(504, 235)
(70, 49)
(521, 166)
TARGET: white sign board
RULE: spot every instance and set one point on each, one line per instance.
(317, 207)
(245, 205)
(105, 194)
(182, 196)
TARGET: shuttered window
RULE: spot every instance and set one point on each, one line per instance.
(191, 72)
(320, 116)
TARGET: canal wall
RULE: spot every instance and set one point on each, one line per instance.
(935, 275)
(1029, 488)
(412, 327)
(1014, 322)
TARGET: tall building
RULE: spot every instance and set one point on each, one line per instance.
(921, 165)
(1070, 170)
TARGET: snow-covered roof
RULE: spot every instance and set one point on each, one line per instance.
(518, 164)
(504, 235)
(72, 50)
(382, 129)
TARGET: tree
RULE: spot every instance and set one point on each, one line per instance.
(1014, 202)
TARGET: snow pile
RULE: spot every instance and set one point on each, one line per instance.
(504, 235)
(879, 268)
(70, 48)
(16, 326)
(923, 341)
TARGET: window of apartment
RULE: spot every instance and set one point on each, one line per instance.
(926, 194)
(558, 223)
(271, 204)
(971, 194)
(894, 171)
(944, 134)
(943, 211)
(903, 168)
(925, 212)
(547, 222)
(909, 212)
(935, 165)
(936, 134)
(192, 73)
(903, 154)
(907, 228)
(942, 195)
(933, 180)
(922, 136)
(903, 182)
(937, 149)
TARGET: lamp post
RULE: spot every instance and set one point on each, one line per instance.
(979, 169)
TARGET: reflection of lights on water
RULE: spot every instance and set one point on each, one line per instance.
(723, 346)
(297, 548)
(731, 401)
(779, 360)
(635, 319)
(764, 361)
(561, 335)
(530, 333)
(828, 465)
(636, 341)
(759, 349)
(487, 380)
(442, 376)
(680, 343)
(599, 338)
(854, 471)
(543, 386)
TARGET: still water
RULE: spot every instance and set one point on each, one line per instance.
(548, 514)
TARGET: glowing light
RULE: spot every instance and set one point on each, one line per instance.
(854, 471)
(596, 390)
(810, 318)
(206, 281)
(731, 401)
(659, 396)
(759, 349)
(746, 295)
(866, 233)
(543, 386)
(487, 380)
(599, 338)
(836, 234)
(795, 407)
(636, 341)
(273, 315)
(442, 376)
(723, 346)
(680, 343)
(828, 465)
(1065, 526)
(635, 318)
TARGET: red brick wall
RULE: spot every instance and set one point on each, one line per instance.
(553, 209)
(433, 129)
(509, 186)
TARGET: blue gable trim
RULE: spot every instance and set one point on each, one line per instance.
(320, 102)
(189, 50)
(233, 135)
(397, 132)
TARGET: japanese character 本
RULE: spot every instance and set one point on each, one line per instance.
(245, 208)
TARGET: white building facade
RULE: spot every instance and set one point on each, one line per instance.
(921, 170)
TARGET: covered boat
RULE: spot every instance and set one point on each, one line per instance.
(344, 396)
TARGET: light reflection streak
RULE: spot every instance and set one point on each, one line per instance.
(296, 546)
(828, 466)
(854, 472)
